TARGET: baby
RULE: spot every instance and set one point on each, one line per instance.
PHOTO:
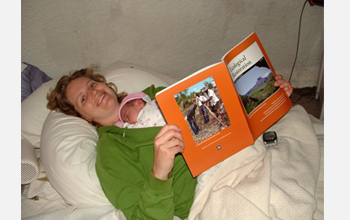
(137, 110)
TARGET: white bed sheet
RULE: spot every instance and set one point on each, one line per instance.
(242, 185)
(279, 182)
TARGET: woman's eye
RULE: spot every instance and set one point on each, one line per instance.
(92, 85)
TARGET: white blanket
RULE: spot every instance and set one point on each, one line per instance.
(278, 182)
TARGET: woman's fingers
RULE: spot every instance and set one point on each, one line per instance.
(167, 144)
(175, 145)
(168, 138)
(283, 84)
(168, 130)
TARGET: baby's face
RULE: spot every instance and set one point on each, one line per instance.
(131, 110)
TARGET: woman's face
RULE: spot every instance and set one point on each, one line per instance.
(95, 101)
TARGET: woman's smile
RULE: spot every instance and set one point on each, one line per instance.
(101, 99)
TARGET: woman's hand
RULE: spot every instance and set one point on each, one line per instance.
(283, 84)
(167, 144)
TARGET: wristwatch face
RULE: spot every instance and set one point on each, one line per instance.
(269, 136)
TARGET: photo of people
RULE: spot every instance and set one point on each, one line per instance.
(256, 85)
(203, 109)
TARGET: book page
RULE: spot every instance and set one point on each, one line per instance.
(213, 128)
(254, 77)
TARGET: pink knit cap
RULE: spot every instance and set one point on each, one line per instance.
(133, 96)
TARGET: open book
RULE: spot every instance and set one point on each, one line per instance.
(225, 107)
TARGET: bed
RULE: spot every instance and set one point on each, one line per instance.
(279, 182)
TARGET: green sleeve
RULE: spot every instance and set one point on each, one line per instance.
(127, 181)
(152, 91)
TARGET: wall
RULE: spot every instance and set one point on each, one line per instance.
(175, 38)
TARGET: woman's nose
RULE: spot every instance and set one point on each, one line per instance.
(92, 92)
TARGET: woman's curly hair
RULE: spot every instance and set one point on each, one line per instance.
(57, 98)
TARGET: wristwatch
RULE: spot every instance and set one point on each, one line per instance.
(270, 138)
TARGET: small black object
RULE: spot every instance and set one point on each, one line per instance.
(270, 138)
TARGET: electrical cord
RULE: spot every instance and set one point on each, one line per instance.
(296, 55)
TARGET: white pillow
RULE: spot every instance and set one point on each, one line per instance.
(132, 78)
(68, 143)
(34, 112)
(68, 156)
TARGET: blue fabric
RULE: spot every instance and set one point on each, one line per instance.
(31, 79)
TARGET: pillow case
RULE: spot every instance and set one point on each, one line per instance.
(34, 112)
(132, 78)
(68, 143)
(68, 158)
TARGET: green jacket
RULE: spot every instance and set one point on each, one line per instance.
(123, 165)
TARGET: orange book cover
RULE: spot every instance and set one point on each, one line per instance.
(225, 107)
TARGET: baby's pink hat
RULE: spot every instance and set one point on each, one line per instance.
(130, 97)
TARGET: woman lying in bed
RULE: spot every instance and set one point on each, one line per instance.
(141, 171)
